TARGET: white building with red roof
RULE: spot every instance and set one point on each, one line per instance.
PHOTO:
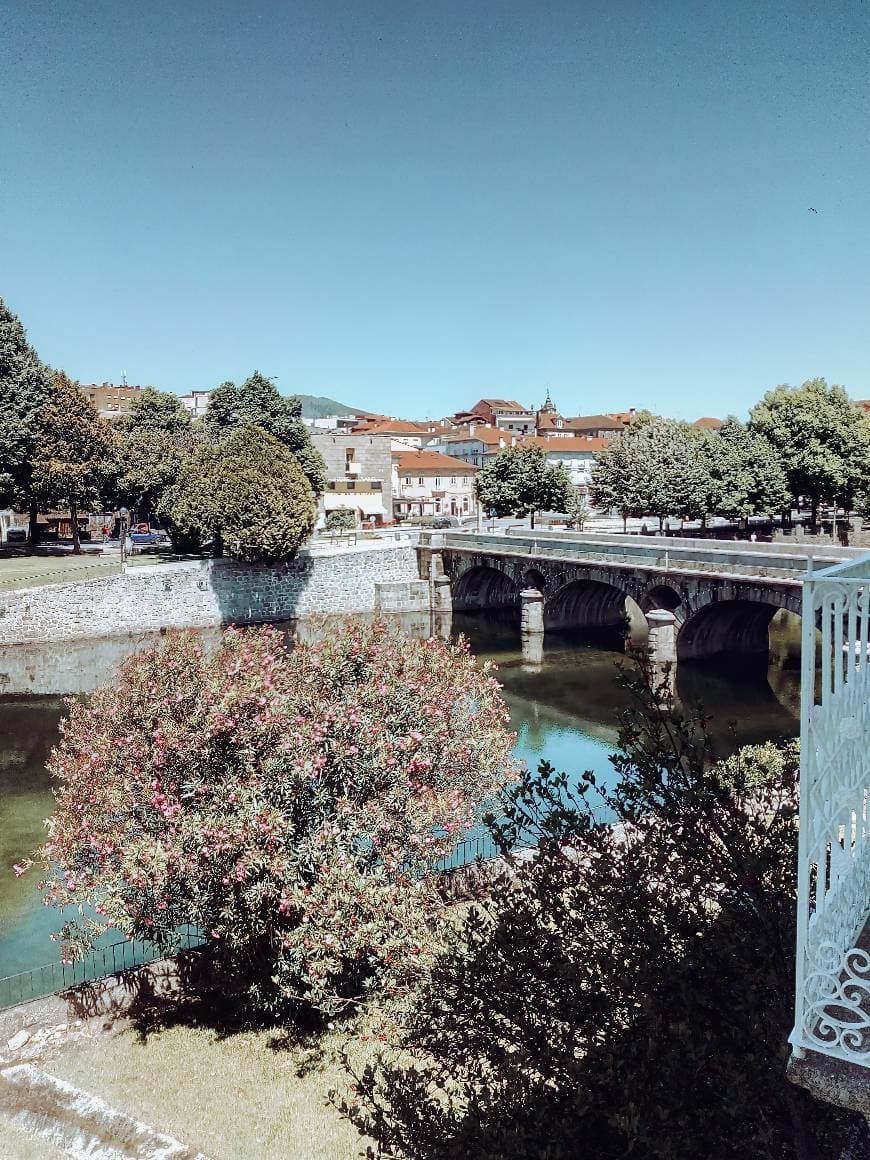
(427, 483)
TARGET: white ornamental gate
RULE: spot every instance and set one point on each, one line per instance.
(832, 1000)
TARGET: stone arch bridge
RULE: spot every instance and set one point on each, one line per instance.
(722, 596)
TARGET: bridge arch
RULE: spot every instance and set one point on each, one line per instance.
(736, 627)
(664, 596)
(483, 586)
(587, 603)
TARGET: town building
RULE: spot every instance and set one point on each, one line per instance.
(708, 423)
(412, 434)
(111, 401)
(195, 402)
(577, 454)
(506, 414)
(359, 475)
(471, 445)
(427, 483)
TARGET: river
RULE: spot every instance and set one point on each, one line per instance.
(564, 704)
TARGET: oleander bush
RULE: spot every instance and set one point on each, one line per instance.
(292, 803)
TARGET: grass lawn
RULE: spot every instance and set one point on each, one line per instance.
(35, 571)
(235, 1098)
(22, 571)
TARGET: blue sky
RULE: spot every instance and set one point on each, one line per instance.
(409, 205)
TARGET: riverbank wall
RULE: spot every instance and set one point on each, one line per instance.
(204, 593)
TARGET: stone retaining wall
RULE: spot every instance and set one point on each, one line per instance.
(200, 593)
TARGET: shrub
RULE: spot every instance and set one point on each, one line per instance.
(341, 520)
(247, 493)
(629, 991)
(289, 803)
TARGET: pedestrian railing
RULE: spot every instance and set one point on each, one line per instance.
(127, 954)
(112, 959)
(832, 987)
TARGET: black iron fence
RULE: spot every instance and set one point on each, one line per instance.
(112, 959)
(126, 954)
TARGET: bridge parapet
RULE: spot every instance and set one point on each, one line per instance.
(689, 556)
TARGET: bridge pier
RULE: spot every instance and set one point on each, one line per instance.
(532, 612)
(662, 636)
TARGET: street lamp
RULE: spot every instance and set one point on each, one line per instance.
(123, 516)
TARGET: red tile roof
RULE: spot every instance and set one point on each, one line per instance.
(593, 423)
(708, 423)
(392, 427)
(430, 463)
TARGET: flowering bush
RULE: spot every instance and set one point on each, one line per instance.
(289, 802)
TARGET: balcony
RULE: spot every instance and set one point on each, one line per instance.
(832, 985)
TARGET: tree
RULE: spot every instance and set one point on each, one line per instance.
(519, 482)
(247, 492)
(74, 450)
(628, 990)
(657, 468)
(155, 440)
(746, 473)
(25, 386)
(258, 402)
(822, 440)
(341, 520)
(289, 802)
(577, 510)
(614, 479)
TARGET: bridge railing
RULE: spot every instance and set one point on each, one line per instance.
(719, 561)
(832, 983)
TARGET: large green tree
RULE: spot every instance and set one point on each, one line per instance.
(520, 482)
(627, 991)
(247, 494)
(155, 441)
(822, 439)
(257, 401)
(73, 453)
(25, 386)
(746, 473)
(657, 468)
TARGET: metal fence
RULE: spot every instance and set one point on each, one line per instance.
(113, 959)
(832, 985)
(127, 954)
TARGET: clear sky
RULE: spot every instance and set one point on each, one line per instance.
(410, 205)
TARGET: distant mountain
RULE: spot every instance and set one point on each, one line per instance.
(317, 407)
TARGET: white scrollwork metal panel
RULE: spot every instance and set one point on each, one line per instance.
(832, 1000)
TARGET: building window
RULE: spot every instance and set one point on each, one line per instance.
(408, 479)
(437, 480)
(348, 458)
(419, 480)
(453, 481)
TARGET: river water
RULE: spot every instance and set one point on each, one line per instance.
(564, 704)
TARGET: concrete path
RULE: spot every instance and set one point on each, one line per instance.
(77, 1123)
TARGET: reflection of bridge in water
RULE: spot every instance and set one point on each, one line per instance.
(699, 598)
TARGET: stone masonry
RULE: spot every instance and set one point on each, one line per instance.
(200, 593)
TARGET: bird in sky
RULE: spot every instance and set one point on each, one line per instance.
(812, 209)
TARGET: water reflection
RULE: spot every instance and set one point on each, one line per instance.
(560, 688)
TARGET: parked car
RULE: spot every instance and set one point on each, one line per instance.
(151, 539)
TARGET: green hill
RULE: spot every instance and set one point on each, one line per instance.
(318, 407)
